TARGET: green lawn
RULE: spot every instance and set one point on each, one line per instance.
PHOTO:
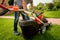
(6, 32)
(52, 14)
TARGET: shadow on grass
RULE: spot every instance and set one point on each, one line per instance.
(46, 36)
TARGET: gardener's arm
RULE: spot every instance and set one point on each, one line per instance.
(24, 2)
(15, 2)
(32, 6)
(31, 3)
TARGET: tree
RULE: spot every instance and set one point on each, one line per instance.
(50, 6)
(57, 3)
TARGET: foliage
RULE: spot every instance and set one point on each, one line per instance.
(57, 3)
(50, 6)
(40, 6)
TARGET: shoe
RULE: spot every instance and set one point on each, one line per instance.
(16, 33)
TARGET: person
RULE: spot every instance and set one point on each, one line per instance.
(22, 4)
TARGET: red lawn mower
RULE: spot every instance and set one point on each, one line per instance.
(37, 24)
(32, 26)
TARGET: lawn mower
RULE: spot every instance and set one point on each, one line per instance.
(36, 24)
(32, 26)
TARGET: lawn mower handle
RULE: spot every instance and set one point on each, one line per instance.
(35, 17)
